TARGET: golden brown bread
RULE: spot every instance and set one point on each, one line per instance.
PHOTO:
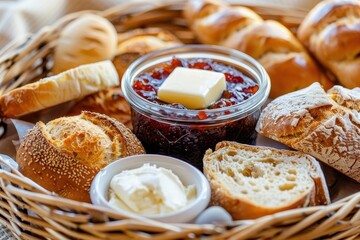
(324, 125)
(131, 45)
(331, 31)
(110, 102)
(253, 181)
(288, 64)
(146, 40)
(138, 42)
(65, 154)
(69, 85)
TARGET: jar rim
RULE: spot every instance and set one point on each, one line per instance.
(241, 60)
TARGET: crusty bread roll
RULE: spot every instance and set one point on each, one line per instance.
(138, 42)
(331, 31)
(110, 101)
(145, 40)
(252, 181)
(65, 154)
(288, 64)
(88, 39)
(131, 45)
(324, 125)
(72, 84)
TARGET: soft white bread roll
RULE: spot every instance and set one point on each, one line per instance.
(288, 64)
(88, 39)
(65, 154)
(252, 181)
(324, 125)
(331, 31)
(71, 84)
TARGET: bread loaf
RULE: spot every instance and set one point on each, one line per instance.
(288, 64)
(69, 85)
(324, 125)
(88, 39)
(331, 31)
(252, 181)
(65, 154)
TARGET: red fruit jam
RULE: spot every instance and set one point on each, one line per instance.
(190, 140)
(239, 87)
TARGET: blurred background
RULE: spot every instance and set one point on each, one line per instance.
(19, 17)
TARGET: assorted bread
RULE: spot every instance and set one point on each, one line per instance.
(331, 32)
(323, 124)
(252, 181)
(50, 91)
(287, 62)
(90, 57)
(65, 154)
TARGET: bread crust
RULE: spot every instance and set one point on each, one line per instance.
(110, 102)
(144, 41)
(243, 208)
(324, 125)
(69, 85)
(59, 166)
(331, 31)
(287, 62)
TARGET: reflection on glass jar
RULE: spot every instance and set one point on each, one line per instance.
(184, 133)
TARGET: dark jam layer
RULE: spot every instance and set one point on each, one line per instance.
(239, 87)
(189, 141)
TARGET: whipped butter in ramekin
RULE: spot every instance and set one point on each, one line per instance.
(149, 190)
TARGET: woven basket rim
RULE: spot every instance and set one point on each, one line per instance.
(339, 219)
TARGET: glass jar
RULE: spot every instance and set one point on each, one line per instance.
(177, 132)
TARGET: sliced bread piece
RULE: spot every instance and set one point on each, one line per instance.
(252, 181)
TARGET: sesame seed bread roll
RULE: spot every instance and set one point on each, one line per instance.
(252, 181)
(65, 154)
(69, 85)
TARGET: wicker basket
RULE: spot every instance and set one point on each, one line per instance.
(31, 212)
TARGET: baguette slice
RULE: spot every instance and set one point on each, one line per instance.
(252, 181)
(69, 85)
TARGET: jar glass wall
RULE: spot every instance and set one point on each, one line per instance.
(175, 132)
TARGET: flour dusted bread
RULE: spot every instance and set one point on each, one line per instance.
(65, 154)
(286, 61)
(87, 39)
(252, 181)
(331, 31)
(323, 124)
(69, 85)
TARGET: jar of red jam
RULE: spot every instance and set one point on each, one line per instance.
(172, 129)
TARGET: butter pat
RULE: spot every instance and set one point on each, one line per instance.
(193, 88)
(149, 190)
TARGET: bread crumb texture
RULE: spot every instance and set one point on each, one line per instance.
(252, 181)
